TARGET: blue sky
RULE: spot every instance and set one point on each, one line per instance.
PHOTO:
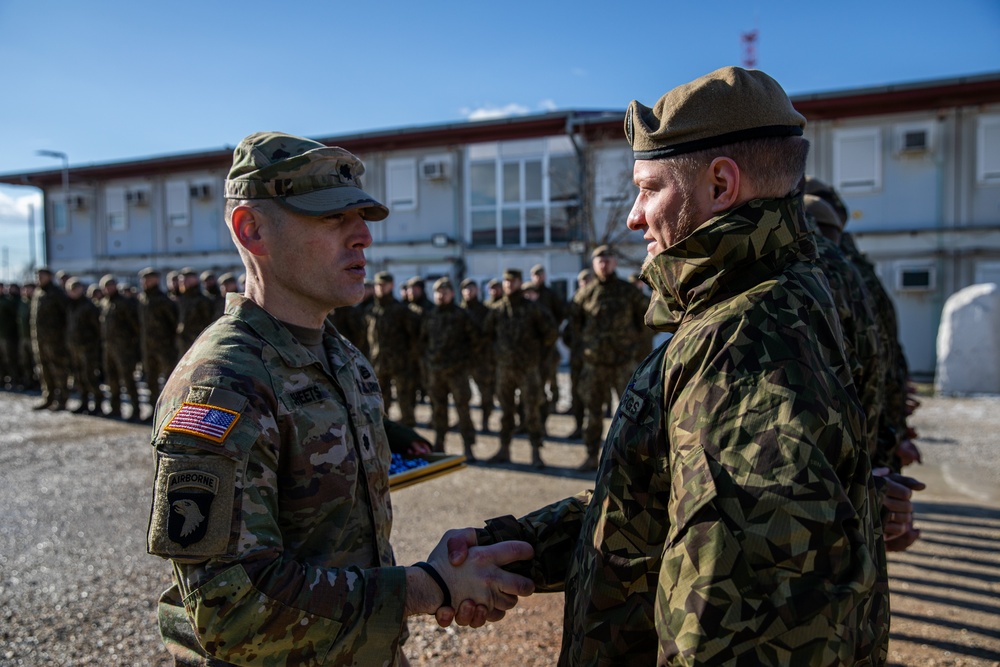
(108, 80)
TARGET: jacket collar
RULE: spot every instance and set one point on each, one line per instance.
(725, 256)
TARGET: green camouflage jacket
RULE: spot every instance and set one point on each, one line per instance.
(271, 498)
(48, 316)
(157, 321)
(392, 331)
(608, 319)
(731, 521)
(447, 337)
(522, 331)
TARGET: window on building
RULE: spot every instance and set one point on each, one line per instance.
(528, 196)
(857, 160)
(401, 184)
(178, 203)
(915, 277)
(114, 205)
(60, 216)
(988, 150)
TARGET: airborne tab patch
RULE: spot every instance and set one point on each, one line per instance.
(207, 421)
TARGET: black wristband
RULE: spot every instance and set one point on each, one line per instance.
(438, 579)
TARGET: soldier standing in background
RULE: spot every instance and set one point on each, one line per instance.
(646, 335)
(8, 337)
(120, 331)
(210, 288)
(483, 368)
(25, 348)
(83, 339)
(174, 284)
(574, 341)
(447, 336)
(420, 305)
(548, 298)
(392, 330)
(158, 331)
(194, 310)
(494, 291)
(521, 331)
(609, 319)
(228, 285)
(48, 338)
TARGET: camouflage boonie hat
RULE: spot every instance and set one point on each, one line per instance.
(721, 108)
(602, 251)
(300, 174)
(821, 211)
(383, 277)
(468, 282)
(513, 274)
(443, 282)
(814, 186)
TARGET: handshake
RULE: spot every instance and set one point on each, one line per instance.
(465, 583)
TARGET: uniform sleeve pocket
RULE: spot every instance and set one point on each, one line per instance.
(691, 489)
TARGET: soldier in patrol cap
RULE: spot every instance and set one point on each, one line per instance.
(158, 331)
(731, 521)
(483, 366)
(271, 494)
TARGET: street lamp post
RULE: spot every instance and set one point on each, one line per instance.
(59, 155)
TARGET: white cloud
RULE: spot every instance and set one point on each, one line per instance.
(490, 112)
(547, 105)
(15, 206)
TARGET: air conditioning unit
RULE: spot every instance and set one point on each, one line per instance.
(434, 170)
(913, 139)
(137, 197)
(201, 191)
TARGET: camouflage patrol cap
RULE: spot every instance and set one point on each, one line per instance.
(187, 271)
(493, 282)
(512, 274)
(92, 291)
(227, 277)
(468, 282)
(821, 211)
(602, 251)
(814, 186)
(73, 283)
(61, 274)
(206, 275)
(444, 282)
(149, 271)
(106, 279)
(728, 105)
(383, 277)
(43, 269)
(300, 174)
(585, 274)
(415, 281)
(536, 269)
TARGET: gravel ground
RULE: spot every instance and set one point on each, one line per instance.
(77, 588)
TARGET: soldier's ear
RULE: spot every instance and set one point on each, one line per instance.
(721, 187)
(246, 224)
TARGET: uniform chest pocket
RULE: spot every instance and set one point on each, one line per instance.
(692, 487)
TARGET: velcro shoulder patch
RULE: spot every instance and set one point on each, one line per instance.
(192, 515)
(208, 421)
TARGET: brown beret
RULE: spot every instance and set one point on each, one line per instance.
(729, 105)
(814, 186)
(821, 211)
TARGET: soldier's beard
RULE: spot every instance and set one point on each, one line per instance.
(688, 219)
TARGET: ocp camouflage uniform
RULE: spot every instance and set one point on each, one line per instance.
(609, 320)
(521, 332)
(392, 330)
(48, 340)
(83, 339)
(732, 520)
(120, 331)
(194, 314)
(276, 514)
(483, 365)
(158, 326)
(447, 336)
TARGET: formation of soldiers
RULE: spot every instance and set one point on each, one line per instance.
(505, 344)
(101, 341)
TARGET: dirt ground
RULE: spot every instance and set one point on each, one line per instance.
(77, 588)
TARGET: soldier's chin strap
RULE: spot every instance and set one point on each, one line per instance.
(438, 579)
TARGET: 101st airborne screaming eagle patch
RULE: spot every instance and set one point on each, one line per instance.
(190, 494)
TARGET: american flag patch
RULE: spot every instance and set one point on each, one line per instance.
(207, 421)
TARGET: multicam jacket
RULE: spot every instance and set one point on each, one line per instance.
(271, 498)
(731, 522)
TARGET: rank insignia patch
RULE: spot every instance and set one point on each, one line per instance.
(207, 421)
(190, 494)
